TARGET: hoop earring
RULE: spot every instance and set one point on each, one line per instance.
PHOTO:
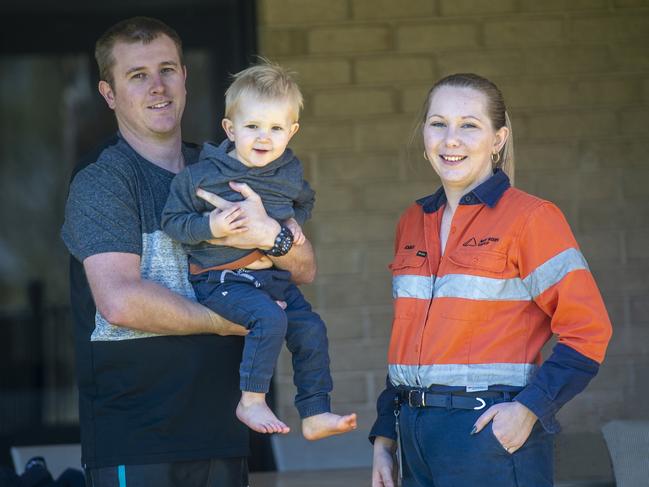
(495, 158)
(426, 156)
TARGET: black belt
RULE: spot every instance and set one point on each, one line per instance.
(418, 398)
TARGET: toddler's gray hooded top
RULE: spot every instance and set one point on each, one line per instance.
(280, 184)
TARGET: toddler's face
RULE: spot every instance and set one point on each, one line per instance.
(260, 130)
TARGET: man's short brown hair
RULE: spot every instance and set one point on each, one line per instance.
(135, 29)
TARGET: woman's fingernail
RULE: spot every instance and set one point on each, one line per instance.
(473, 431)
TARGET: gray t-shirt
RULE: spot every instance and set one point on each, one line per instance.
(143, 398)
(114, 206)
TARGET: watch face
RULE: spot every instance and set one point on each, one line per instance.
(283, 243)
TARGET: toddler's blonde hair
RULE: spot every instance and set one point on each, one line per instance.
(264, 81)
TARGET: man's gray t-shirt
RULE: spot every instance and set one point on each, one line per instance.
(112, 208)
(144, 398)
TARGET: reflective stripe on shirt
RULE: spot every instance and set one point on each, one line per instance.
(466, 375)
(481, 288)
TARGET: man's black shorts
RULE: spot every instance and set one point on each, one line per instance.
(218, 472)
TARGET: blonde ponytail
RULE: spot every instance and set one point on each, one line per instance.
(507, 152)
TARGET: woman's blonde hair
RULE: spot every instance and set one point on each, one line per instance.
(496, 110)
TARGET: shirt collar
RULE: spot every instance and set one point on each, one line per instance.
(488, 193)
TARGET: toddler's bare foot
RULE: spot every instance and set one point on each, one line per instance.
(253, 411)
(327, 424)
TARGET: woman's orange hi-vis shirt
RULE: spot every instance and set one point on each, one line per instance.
(477, 317)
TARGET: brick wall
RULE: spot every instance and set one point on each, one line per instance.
(576, 78)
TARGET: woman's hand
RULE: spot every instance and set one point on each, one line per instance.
(512, 424)
(383, 471)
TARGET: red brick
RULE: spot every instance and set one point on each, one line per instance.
(435, 36)
(349, 39)
(523, 32)
(486, 62)
(476, 7)
(390, 69)
(389, 9)
(278, 12)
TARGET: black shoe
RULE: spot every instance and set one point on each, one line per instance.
(36, 462)
(36, 474)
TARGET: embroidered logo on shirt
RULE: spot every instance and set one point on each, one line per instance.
(472, 242)
(409, 247)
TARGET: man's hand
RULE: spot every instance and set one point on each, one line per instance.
(512, 424)
(296, 230)
(383, 471)
(261, 233)
(223, 327)
(261, 229)
(228, 222)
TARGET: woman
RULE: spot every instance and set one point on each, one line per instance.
(483, 275)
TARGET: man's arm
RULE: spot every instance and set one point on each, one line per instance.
(125, 299)
(300, 262)
(261, 233)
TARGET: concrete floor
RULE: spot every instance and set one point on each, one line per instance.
(354, 477)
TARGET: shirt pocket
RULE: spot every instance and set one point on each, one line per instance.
(402, 262)
(491, 261)
(412, 286)
(475, 280)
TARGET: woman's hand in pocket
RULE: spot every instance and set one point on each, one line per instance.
(512, 424)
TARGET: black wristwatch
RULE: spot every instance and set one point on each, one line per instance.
(283, 243)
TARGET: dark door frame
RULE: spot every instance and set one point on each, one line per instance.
(226, 29)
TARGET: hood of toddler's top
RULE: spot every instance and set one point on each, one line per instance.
(231, 167)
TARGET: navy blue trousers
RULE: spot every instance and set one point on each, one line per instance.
(249, 298)
(439, 451)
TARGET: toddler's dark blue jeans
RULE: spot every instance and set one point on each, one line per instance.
(249, 298)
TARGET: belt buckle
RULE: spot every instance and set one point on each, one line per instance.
(422, 397)
(482, 404)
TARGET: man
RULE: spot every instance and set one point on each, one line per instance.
(155, 368)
